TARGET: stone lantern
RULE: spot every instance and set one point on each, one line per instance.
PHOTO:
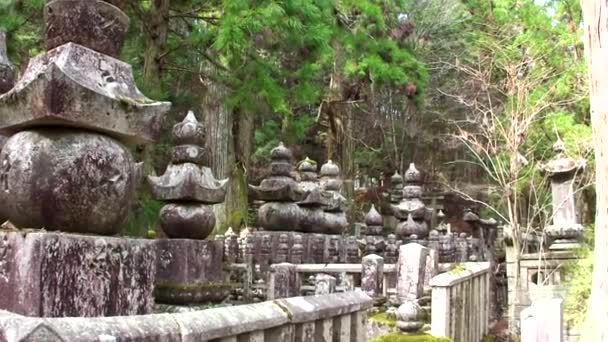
(565, 232)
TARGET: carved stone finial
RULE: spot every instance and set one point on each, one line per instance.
(308, 165)
(189, 185)
(412, 175)
(396, 179)
(281, 153)
(373, 217)
(330, 169)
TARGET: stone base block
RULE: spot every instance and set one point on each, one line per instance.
(57, 275)
(190, 271)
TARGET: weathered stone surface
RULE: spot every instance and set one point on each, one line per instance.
(190, 271)
(324, 284)
(543, 321)
(408, 316)
(372, 274)
(277, 188)
(188, 182)
(411, 269)
(187, 154)
(187, 221)
(160, 327)
(270, 321)
(62, 179)
(283, 281)
(74, 86)
(319, 221)
(279, 216)
(7, 71)
(54, 275)
(95, 24)
(312, 308)
(431, 266)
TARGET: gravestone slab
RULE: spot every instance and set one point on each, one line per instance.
(54, 275)
(372, 271)
(411, 268)
(283, 281)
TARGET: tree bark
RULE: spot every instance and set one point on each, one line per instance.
(595, 18)
(155, 42)
(228, 142)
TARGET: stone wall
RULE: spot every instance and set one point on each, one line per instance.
(334, 317)
(461, 303)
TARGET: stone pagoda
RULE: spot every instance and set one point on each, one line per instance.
(565, 232)
(411, 211)
(310, 212)
(188, 186)
(67, 167)
(189, 268)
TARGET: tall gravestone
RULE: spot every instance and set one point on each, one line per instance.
(67, 167)
(565, 232)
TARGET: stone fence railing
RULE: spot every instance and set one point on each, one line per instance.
(334, 317)
(371, 276)
(461, 303)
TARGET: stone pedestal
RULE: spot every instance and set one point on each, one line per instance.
(190, 271)
(55, 275)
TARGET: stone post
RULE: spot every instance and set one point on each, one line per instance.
(372, 275)
(283, 281)
(325, 284)
(410, 271)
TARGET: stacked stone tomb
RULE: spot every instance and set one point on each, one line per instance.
(67, 167)
(189, 268)
(306, 216)
(411, 211)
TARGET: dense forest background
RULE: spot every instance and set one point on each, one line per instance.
(475, 92)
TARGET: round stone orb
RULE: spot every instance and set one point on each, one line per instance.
(187, 220)
(66, 179)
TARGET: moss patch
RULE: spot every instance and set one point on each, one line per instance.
(401, 337)
(382, 318)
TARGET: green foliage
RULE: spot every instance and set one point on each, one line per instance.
(382, 318)
(144, 218)
(402, 337)
(579, 274)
